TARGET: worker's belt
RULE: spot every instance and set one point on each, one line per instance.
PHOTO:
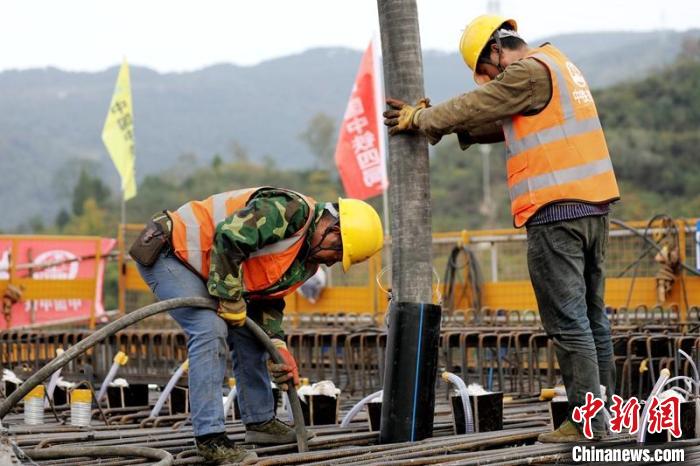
(152, 240)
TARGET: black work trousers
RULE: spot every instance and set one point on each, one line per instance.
(566, 263)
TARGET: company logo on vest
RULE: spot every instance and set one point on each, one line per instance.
(575, 74)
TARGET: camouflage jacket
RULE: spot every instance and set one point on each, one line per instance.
(267, 218)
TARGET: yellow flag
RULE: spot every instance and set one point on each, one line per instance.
(118, 132)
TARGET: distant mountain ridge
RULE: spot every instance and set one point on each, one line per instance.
(52, 119)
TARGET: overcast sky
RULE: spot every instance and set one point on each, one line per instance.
(178, 35)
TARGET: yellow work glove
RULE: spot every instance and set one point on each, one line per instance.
(233, 312)
(402, 116)
(283, 373)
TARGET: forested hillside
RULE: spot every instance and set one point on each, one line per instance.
(652, 126)
(653, 130)
(51, 120)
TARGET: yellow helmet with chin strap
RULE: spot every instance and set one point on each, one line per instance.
(476, 36)
(360, 230)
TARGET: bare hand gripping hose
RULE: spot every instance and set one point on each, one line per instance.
(136, 316)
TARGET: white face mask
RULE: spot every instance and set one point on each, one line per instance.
(330, 208)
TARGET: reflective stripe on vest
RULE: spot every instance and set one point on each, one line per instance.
(194, 246)
(566, 175)
(560, 152)
(568, 129)
(219, 205)
(194, 229)
(277, 247)
(197, 243)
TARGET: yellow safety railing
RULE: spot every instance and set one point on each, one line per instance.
(501, 254)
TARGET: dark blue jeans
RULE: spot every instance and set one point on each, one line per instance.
(208, 341)
(566, 263)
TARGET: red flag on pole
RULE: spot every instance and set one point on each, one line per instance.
(359, 154)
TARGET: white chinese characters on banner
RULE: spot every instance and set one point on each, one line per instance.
(359, 151)
(5, 264)
(364, 144)
(66, 269)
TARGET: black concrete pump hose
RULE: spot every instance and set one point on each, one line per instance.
(136, 316)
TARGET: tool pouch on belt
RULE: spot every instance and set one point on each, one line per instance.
(151, 241)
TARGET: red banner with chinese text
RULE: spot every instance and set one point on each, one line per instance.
(70, 259)
(359, 154)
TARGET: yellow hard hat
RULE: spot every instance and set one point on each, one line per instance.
(477, 35)
(360, 230)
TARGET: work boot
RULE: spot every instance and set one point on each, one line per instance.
(272, 432)
(221, 449)
(567, 433)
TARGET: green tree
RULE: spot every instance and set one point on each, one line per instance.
(652, 131)
(320, 137)
(88, 187)
(36, 224)
(93, 220)
(216, 162)
(62, 219)
(690, 49)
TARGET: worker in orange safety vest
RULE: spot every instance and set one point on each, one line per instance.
(561, 184)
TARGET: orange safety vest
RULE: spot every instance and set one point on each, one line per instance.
(558, 154)
(194, 228)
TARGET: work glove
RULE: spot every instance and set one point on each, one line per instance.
(283, 373)
(11, 295)
(402, 116)
(233, 312)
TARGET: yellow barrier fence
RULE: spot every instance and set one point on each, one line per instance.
(50, 272)
(501, 255)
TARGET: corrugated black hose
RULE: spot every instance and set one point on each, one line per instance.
(472, 280)
(136, 316)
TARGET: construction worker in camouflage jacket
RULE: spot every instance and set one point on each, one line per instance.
(248, 248)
